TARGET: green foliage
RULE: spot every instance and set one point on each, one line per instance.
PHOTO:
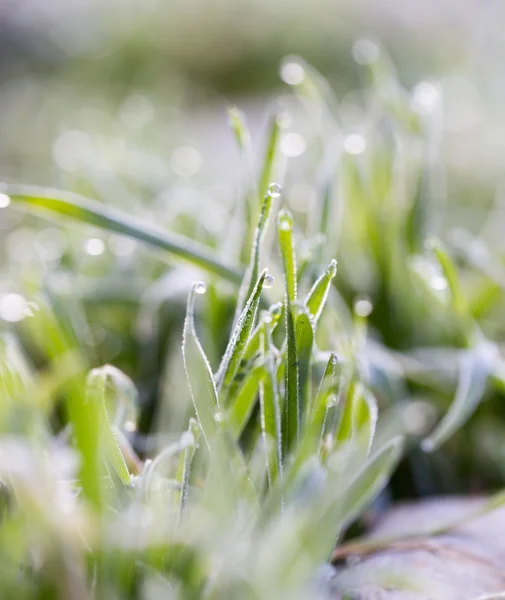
(293, 400)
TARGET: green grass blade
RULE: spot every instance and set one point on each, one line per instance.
(317, 296)
(286, 244)
(254, 345)
(239, 339)
(236, 120)
(244, 400)
(126, 398)
(199, 375)
(252, 271)
(291, 425)
(474, 369)
(316, 419)
(371, 479)
(94, 213)
(271, 423)
(304, 334)
(96, 397)
(270, 156)
(458, 300)
(359, 417)
(185, 464)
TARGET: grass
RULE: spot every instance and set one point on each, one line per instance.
(290, 433)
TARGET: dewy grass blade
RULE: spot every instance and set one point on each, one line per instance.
(271, 425)
(236, 120)
(323, 401)
(304, 334)
(244, 400)
(240, 337)
(94, 213)
(317, 296)
(254, 345)
(96, 397)
(291, 428)
(475, 367)
(251, 274)
(359, 418)
(199, 375)
(186, 462)
(286, 243)
(270, 155)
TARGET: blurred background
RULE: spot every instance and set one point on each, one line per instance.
(126, 101)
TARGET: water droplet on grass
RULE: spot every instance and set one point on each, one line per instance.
(95, 247)
(219, 417)
(354, 143)
(365, 52)
(331, 269)
(331, 401)
(334, 359)
(292, 72)
(130, 426)
(274, 190)
(13, 308)
(439, 283)
(200, 287)
(4, 201)
(363, 307)
(268, 281)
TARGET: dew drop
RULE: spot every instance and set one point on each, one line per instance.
(4, 201)
(331, 269)
(331, 401)
(439, 283)
(13, 308)
(334, 359)
(292, 72)
(268, 281)
(130, 426)
(285, 220)
(365, 52)
(200, 287)
(274, 190)
(187, 439)
(276, 309)
(363, 307)
(95, 247)
(219, 417)
(354, 143)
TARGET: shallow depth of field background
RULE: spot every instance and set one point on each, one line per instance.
(125, 101)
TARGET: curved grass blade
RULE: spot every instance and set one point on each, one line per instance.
(96, 397)
(94, 213)
(475, 366)
(199, 375)
(317, 296)
(238, 341)
(126, 397)
(324, 400)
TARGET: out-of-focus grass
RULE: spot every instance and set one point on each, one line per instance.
(246, 454)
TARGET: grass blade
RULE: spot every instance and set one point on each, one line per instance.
(199, 375)
(96, 397)
(304, 334)
(359, 418)
(271, 425)
(240, 337)
(291, 428)
(317, 296)
(244, 400)
(270, 155)
(474, 369)
(94, 213)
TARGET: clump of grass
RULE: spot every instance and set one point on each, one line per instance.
(284, 448)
